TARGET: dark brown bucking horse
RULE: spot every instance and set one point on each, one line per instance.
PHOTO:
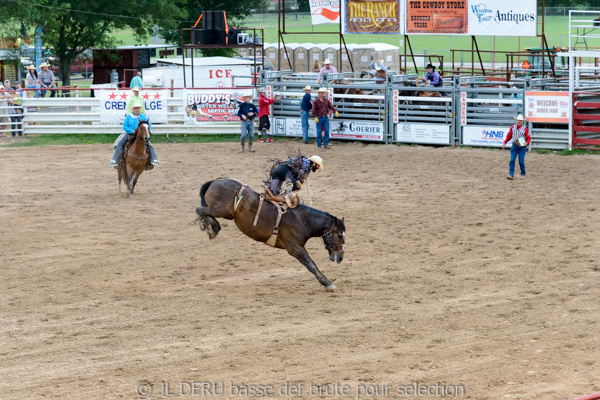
(135, 157)
(230, 199)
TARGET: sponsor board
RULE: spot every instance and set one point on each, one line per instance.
(213, 105)
(292, 127)
(488, 136)
(324, 11)
(547, 107)
(372, 17)
(338, 129)
(463, 108)
(434, 17)
(503, 17)
(423, 133)
(113, 104)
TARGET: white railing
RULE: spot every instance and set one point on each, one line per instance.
(586, 25)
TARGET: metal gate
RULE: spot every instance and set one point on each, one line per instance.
(586, 120)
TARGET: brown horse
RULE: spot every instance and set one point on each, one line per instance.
(135, 157)
(230, 199)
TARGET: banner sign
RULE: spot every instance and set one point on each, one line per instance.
(423, 133)
(395, 106)
(435, 17)
(547, 107)
(324, 11)
(463, 108)
(488, 136)
(201, 105)
(338, 129)
(114, 102)
(372, 17)
(503, 17)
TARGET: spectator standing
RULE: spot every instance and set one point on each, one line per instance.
(32, 80)
(247, 112)
(4, 111)
(47, 80)
(16, 110)
(327, 69)
(136, 81)
(518, 136)
(135, 98)
(264, 105)
(321, 110)
(305, 109)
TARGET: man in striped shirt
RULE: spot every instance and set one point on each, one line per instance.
(519, 138)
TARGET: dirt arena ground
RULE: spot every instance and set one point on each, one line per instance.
(453, 275)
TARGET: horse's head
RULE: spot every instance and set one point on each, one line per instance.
(335, 240)
(144, 130)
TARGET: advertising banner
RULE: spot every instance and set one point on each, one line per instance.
(114, 102)
(547, 107)
(338, 129)
(435, 17)
(423, 133)
(503, 17)
(372, 17)
(324, 11)
(488, 136)
(201, 105)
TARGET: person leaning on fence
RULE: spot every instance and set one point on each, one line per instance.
(264, 104)
(321, 110)
(130, 124)
(135, 98)
(305, 109)
(247, 112)
(380, 71)
(32, 81)
(518, 136)
(17, 109)
(136, 81)
(47, 80)
(327, 69)
(4, 111)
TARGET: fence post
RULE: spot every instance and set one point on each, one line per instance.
(456, 106)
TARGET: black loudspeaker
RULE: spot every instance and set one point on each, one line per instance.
(219, 20)
(208, 20)
(202, 36)
(220, 37)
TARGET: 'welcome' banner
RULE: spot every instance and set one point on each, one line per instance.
(372, 17)
(325, 11)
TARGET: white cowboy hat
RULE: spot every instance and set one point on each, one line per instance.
(135, 89)
(317, 160)
(31, 67)
(247, 95)
(327, 61)
(520, 117)
(44, 65)
(322, 90)
(306, 88)
(377, 66)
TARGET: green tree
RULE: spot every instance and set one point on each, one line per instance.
(73, 26)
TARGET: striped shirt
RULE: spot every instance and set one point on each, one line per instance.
(514, 134)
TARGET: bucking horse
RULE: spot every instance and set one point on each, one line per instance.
(265, 222)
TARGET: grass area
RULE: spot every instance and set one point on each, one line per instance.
(59, 140)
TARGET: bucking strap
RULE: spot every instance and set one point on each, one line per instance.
(260, 204)
(273, 239)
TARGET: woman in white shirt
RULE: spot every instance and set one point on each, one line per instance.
(32, 81)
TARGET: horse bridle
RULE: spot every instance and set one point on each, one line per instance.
(341, 247)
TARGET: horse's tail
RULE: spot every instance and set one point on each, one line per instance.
(203, 190)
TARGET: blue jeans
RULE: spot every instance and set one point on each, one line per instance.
(16, 124)
(304, 118)
(514, 151)
(247, 130)
(323, 122)
(37, 92)
(52, 92)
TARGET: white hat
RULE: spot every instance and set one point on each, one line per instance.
(377, 66)
(327, 61)
(262, 90)
(317, 160)
(306, 88)
(31, 66)
(322, 90)
(520, 117)
(42, 65)
(248, 94)
(135, 89)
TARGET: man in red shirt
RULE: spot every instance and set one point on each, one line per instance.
(321, 110)
(518, 135)
(264, 104)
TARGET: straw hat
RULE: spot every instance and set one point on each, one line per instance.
(247, 95)
(322, 90)
(31, 66)
(520, 117)
(136, 103)
(317, 160)
(327, 61)
(307, 88)
(135, 89)
(44, 65)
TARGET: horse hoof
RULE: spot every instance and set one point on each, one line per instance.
(330, 288)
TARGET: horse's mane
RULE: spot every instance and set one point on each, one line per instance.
(325, 214)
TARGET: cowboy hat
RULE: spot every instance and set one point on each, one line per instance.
(317, 160)
(430, 65)
(136, 103)
(520, 117)
(306, 88)
(322, 90)
(377, 66)
(135, 89)
(44, 65)
(262, 90)
(327, 61)
(247, 95)
(31, 66)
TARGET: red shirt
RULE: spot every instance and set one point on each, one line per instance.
(321, 108)
(510, 134)
(264, 105)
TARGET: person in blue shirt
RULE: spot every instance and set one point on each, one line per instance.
(130, 124)
(247, 112)
(136, 81)
(305, 109)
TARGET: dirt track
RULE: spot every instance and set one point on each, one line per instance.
(452, 274)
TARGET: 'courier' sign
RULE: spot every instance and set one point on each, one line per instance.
(373, 17)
